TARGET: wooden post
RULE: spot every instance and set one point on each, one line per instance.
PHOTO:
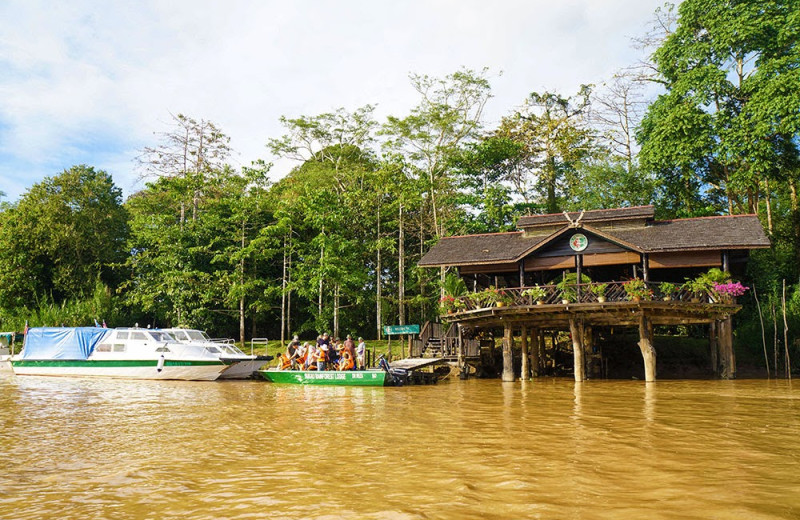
(646, 267)
(534, 352)
(522, 273)
(508, 367)
(713, 346)
(647, 348)
(525, 372)
(576, 330)
(588, 348)
(461, 351)
(727, 356)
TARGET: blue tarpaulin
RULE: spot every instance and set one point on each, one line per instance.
(62, 342)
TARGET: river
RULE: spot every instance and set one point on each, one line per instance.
(552, 448)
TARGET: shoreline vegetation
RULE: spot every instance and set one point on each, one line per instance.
(334, 245)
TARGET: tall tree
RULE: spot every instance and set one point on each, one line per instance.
(187, 151)
(728, 120)
(66, 233)
(449, 114)
(556, 139)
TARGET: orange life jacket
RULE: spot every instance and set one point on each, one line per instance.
(322, 356)
(346, 363)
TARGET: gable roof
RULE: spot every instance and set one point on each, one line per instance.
(691, 234)
(489, 248)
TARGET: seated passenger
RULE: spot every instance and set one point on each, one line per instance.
(346, 362)
(284, 362)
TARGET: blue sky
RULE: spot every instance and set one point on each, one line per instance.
(91, 82)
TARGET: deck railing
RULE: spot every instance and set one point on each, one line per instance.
(579, 294)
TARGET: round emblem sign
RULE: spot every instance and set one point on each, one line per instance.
(578, 242)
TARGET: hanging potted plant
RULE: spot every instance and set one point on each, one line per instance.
(536, 294)
(667, 289)
(636, 289)
(599, 291)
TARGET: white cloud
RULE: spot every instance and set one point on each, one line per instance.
(92, 81)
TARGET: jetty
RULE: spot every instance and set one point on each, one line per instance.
(581, 272)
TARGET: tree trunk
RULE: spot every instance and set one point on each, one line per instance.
(336, 311)
(241, 298)
(283, 297)
(768, 201)
(401, 272)
(378, 284)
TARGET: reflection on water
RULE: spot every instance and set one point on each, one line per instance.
(92, 448)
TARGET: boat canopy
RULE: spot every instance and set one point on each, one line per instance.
(62, 342)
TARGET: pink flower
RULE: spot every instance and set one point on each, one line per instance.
(731, 288)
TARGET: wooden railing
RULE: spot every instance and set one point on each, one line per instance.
(580, 293)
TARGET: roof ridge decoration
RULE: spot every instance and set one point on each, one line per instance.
(577, 222)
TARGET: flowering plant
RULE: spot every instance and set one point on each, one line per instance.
(637, 288)
(449, 303)
(535, 293)
(493, 295)
(730, 288)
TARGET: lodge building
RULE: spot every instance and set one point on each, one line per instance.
(605, 248)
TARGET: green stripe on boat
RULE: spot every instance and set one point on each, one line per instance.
(108, 363)
(329, 378)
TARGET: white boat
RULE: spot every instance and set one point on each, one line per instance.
(124, 352)
(241, 365)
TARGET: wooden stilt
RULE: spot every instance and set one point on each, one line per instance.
(713, 346)
(576, 330)
(525, 372)
(647, 348)
(727, 356)
(535, 346)
(508, 367)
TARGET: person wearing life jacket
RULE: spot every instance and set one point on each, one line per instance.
(346, 362)
(302, 354)
(284, 362)
(322, 357)
(311, 358)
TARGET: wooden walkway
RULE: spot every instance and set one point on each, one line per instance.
(416, 363)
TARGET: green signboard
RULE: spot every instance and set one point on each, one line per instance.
(394, 330)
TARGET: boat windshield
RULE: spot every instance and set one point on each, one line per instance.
(180, 335)
(196, 335)
(162, 336)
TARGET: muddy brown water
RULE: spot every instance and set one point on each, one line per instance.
(553, 448)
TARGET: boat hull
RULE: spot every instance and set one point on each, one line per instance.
(186, 370)
(326, 378)
(242, 369)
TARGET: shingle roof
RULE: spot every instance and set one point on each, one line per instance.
(692, 234)
(490, 248)
(636, 212)
(728, 232)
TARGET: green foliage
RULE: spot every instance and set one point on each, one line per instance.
(454, 285)
(636, 288)
(535, 293)
(63, 234)
(567, 286)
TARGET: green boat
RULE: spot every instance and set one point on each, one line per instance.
(330, 378)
